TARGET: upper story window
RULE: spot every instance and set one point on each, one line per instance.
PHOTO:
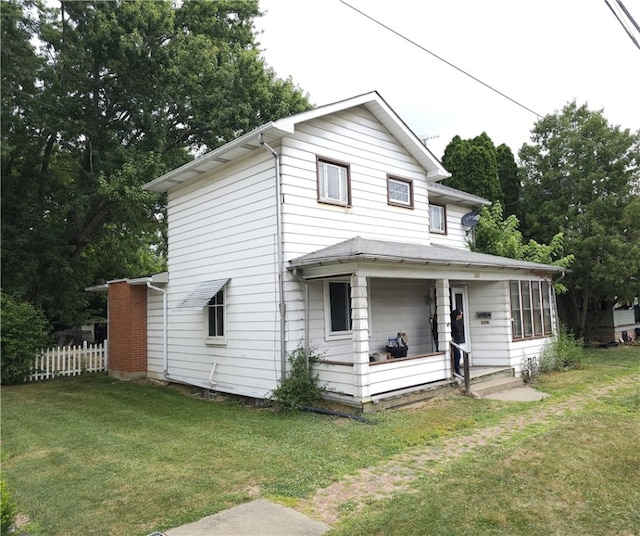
(530, 309)
(399, 192)
(437, 218)
(334, 182)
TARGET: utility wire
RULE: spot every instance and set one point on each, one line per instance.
(622, 23)
(626, 12)
(442, 59)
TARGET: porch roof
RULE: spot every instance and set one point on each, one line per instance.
(361, 249)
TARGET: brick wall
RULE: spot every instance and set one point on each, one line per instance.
(127, 330)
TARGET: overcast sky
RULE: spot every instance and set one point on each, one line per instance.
(540, 53)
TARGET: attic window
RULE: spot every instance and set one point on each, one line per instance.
(334, 182)
(399, 192)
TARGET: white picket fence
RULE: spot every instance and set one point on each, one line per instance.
(69, 361)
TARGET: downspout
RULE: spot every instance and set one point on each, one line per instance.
(165, 346)
(279, 254)
(296, 273)
(165, 343)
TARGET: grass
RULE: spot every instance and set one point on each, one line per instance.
(94, 456)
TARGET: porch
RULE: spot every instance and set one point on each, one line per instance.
(398, 382)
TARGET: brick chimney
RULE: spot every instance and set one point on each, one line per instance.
(127, 331)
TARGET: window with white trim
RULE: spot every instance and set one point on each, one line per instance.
(399, 192)
(334, 182)
(530, 309)
(437, 218)
(216, 318)
(338, 299)
(216, 315)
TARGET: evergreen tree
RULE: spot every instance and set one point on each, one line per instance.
(474, 167)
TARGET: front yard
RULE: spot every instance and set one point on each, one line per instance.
(94, 456)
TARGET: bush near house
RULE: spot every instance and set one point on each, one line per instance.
(25, 330)
(7, 508)
(300, 387)
(564, 352)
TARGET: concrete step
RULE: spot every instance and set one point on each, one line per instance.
(482, 374)
(495, 385)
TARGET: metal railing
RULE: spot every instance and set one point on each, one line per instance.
(466, 359)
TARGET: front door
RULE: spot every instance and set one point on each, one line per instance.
(459, 301)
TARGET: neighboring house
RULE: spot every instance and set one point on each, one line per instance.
(618, 324)
(327, 229)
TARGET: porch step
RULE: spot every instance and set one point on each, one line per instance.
(496, 385)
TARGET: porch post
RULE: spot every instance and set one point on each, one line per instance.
(443, 299)
(360, 335)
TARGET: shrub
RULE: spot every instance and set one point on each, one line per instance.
(300, 387)
(7, 508)
(564, 352)
(25, 330)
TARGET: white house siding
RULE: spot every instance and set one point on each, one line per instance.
(155, 335)
(398, 373)
(490, 337)
(223, 226)
(355, 138)
(334, 349)
(456, 235)
(400, 305)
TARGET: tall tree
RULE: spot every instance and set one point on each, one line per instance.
(118, 93)
(509, 179)
(473, 166)
(581, 176)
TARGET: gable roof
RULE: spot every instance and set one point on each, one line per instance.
(361, 249)
(272, 132)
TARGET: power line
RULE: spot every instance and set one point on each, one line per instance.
(622, 23)
(442, 59)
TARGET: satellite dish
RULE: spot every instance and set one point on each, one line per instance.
(470, 219)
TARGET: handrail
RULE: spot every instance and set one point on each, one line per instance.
(466, 355)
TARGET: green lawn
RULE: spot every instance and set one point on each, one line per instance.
(92, 455)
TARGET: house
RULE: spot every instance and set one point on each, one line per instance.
(327, 230)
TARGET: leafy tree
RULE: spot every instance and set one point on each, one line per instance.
(473, 166)
(25, 330)
(498, 236)
(117, 93)
(581, 177)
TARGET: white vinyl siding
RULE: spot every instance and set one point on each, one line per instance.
(223, 227)
(357, 139)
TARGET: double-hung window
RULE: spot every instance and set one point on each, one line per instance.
(334, 182)
(399, 192)
(437, 218)
(530, 309)
(338, 300)
(215, 309)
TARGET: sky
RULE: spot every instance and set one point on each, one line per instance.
(542, 54)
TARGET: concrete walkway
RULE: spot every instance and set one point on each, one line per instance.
(257, 518)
